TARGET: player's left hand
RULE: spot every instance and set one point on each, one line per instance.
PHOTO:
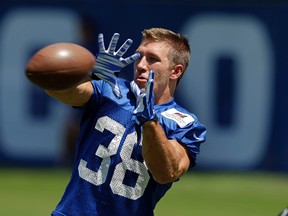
(144, 101)
(110, 62)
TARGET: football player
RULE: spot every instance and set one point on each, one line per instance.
(135, 140)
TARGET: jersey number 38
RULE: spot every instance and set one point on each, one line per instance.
(116, 184)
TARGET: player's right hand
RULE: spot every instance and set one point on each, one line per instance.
(109, 63)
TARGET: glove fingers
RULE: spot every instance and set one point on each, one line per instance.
(141, 101)
(132, 58)
(135, 89)
(124, 47)
(151, 75)
(149, 87)
(113, 43)
(101, 43)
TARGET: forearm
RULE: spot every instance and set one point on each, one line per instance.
(166, 159)
(76, 96)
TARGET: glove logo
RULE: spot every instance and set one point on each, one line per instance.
(182, 119)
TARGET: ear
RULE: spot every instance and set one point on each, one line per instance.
(176, 72)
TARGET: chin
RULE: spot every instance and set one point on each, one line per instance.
(141, 85)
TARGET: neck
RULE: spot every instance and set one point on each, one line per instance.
(165, 95)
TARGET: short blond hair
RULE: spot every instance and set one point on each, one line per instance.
(180, 52)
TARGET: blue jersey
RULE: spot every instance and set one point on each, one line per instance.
(110, 176)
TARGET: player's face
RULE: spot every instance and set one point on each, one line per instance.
(154, 56)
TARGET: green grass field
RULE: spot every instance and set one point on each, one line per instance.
(31, 192)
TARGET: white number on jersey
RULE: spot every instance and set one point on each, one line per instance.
(116, 184)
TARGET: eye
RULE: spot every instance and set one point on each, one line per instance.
(152, 59)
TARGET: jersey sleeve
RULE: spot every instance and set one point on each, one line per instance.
(184, 128)
(101, 90)
(99, 87)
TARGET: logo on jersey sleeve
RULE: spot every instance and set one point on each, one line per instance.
(182, 119)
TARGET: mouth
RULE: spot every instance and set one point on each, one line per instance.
(141, 80)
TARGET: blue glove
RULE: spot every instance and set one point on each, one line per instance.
(109, 63)
(144, 101)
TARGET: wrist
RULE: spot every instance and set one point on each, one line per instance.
(94, 76)
(152, 120)
(155, 118)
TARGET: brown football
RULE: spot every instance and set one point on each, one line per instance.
(59, 66)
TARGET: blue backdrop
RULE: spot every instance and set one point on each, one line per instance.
(236, 82)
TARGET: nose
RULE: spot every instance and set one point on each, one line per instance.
(141, 64)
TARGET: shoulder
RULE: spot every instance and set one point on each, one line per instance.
(179, 116)
(103, 92)
(103, 88)
(175, 114)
